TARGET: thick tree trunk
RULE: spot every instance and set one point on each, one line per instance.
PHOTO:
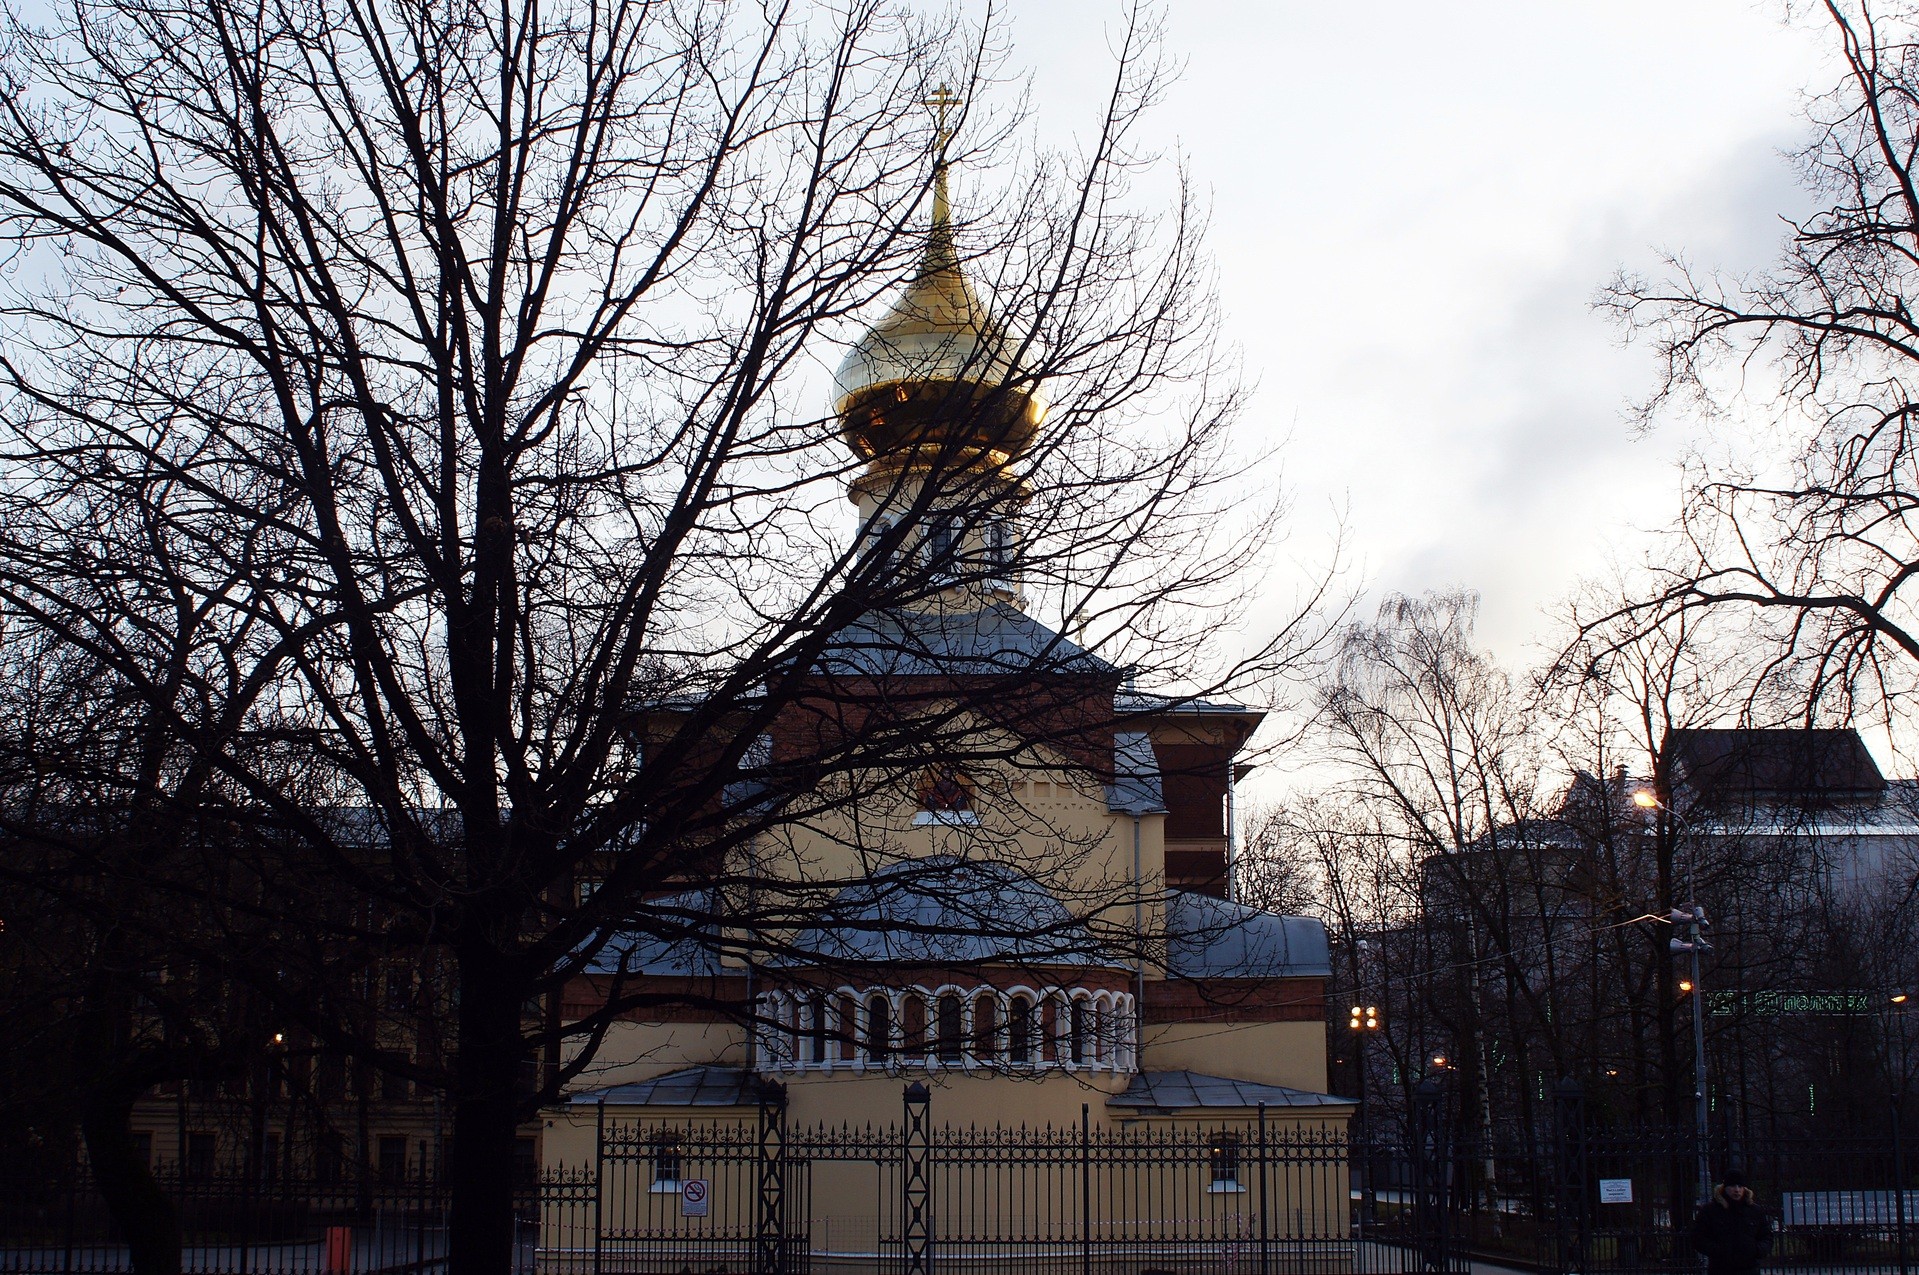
(485, 1116)
(144, 1214)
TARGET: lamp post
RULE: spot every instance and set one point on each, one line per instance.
(1693, 918)
(1895, 1014)
(1364, 1021)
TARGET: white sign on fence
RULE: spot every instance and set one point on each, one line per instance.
(693, 1197)
(1615, 1190)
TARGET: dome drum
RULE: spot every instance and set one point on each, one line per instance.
(942, 419)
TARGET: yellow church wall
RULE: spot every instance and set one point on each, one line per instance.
(634, 1051)
(1290, 1054)
(978, 1101)
(1036, 811)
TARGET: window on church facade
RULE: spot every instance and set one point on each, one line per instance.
(999, 545)
(942, 534)
(849, 1032)
(790, 1031)
(950, 1046)
(1076, 1034)
(666, 1163)
(879, 1029)
(986, 1029)
(1019, 1032)
(816, 1029)
(945, 796)
(912, 1025)
(1223, 1159)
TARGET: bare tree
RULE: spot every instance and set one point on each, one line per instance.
(1815, 530)
(410, 409)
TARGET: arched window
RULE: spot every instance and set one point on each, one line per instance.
(879, 1028)
(1053, 1018)
(941, 535)
(849, 1027)
(876, 532)
(789, 1029)
(999, 544)
(1019, 1032)
(949, 1032)
(912, 1025)
(1076, 1034)
(986, 1028)
(816, 1029)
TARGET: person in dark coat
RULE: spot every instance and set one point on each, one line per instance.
(1732, 1231)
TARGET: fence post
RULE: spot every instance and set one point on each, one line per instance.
(915, 1187)
(772, 1166)
(1265, 1217)
(1432, 1161)
(1569, 1206)
(1899, 1177)
(1085, 1189)
(599, 1187)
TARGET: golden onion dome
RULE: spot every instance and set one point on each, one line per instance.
(935, 373)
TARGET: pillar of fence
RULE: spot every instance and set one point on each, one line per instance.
(1899, 1180)
(1265, 1205)
(771, 1230)
(1572, 1194)
(1085, 1189)
(599, 1188)
(915, 1185)
(1432, 1161)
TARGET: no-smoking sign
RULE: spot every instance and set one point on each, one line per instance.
(693, 1197)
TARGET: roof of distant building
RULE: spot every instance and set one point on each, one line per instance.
(1732, 763)
(1212, 938)
(684, 954)
(1137, 701)
(1180, 1090)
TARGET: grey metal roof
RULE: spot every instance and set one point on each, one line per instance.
(943, 909)
(683, 953)
(1137, 701)
(1211, 938)
(1135, 789)
(973, 641)
(692, 1087)
(1179, 1090)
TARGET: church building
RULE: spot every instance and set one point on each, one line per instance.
(974, 946)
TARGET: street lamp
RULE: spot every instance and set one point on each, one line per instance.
(1693, 918)
(1363, 1022)
(1895, 1016)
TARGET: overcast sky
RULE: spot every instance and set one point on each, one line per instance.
(1413, 206)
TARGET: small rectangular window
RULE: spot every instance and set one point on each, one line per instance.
(392, 1162)
(1222, 1157)
(667, 1163)
(200, 1153)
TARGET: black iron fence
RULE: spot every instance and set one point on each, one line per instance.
(1574, 1197)
(234, 1223)
(1256, 1196)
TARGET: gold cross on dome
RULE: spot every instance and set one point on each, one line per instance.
(943, 99)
